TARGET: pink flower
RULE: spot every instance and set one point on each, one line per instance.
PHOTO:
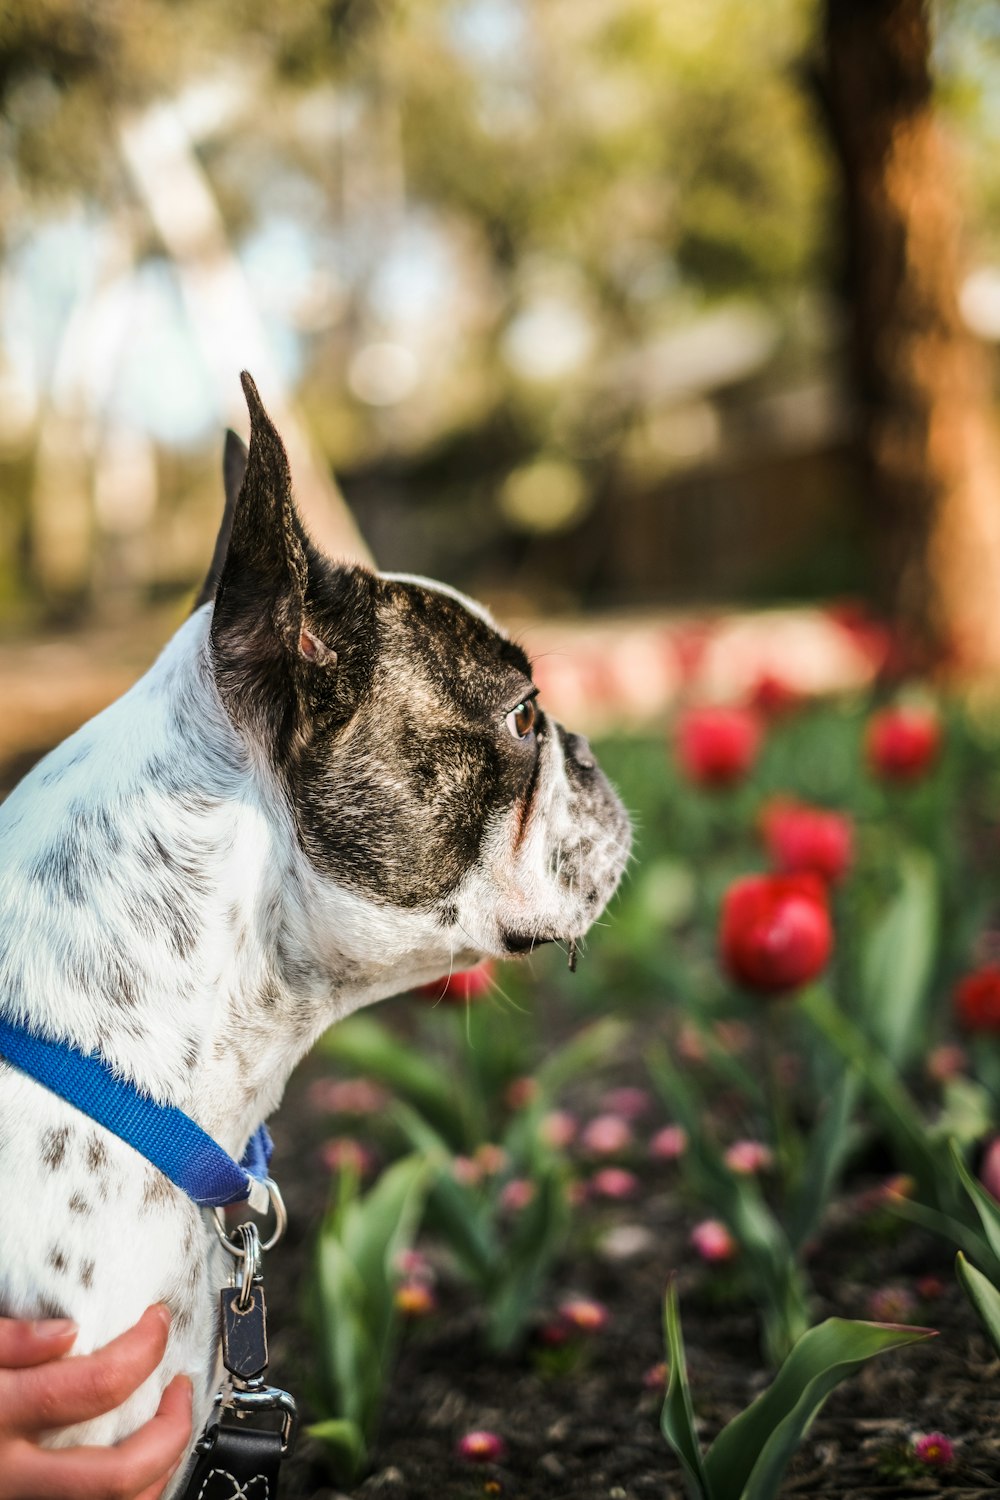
(713, 1241)
(554, 1334)
(349, 1096)
(491, 1159)
(656, 1377)
(934, 1449)
(877, 1197)
(614, 1182)
(517, 1194)
(891, 1304)
(520, 1092)
(466, 1171)
(748, 1157)
(630, 1103)
(458, 988)
(606, 1135)
(584, 1314)
(558, 1128)
(481, 1447)
(669, 1143)
(930, 1288)
(734, 1036)
(414, 1266)
(989, 1172)
(946, 1061)
(690, 1044)
(414, 1299)
(343, 1151)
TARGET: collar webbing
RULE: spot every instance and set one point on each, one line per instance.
(163, 1134)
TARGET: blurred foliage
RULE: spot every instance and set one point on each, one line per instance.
(511, 227)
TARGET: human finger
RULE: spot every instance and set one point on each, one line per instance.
(66, 1391)
(33, 1341)
(141, 1463)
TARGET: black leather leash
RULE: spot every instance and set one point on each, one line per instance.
(236, 1458)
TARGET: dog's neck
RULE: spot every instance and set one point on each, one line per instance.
(159, 907)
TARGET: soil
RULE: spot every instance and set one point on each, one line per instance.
(593, 1433)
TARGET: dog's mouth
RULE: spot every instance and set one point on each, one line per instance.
(521, 943)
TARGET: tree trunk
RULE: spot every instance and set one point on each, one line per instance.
(922, 380)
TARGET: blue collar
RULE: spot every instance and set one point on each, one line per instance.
(161, 1133)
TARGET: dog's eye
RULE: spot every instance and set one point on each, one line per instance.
(521, 720)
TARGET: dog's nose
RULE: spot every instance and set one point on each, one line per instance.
(579, 752)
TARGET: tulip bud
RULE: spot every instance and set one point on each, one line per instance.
(808, 839)
(775, 931)
(901, 743)
(716, 747)
(977, 1000)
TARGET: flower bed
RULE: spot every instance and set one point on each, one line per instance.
(775, 1078)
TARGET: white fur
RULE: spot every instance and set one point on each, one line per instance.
(194, 1031)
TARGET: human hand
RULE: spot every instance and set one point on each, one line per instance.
(40, 1390)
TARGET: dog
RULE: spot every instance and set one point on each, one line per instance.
(333, 785)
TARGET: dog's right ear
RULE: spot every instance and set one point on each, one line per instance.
(258, 621)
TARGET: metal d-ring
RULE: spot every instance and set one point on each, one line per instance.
(280, 1222)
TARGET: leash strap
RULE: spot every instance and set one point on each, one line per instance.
(236, 1463)
(236, 1459)
(163, 1134)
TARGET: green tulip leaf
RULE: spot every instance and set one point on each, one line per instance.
(899, 958)
(344, 1446)
(985, 1204)
(983, 1295)
(750, 1455)
(591, 1047)
(677, 1419)
(368, 1046)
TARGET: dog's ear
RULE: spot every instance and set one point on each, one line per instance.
(234, 464)
(260, 640)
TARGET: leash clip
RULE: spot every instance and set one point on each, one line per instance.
(254, 1401)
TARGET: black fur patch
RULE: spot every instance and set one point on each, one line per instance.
(54, 1144)
(57, 1260)
(96, 1153)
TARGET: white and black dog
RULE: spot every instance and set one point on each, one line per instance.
(331, 786)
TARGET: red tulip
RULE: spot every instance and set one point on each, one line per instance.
(717, 746)
(775, 933)
(902, 743)
(808, 839)
(464, 985)
(773, 697)
(977, 1000)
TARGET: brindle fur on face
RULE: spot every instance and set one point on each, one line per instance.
(395, 802)
(383, 703)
